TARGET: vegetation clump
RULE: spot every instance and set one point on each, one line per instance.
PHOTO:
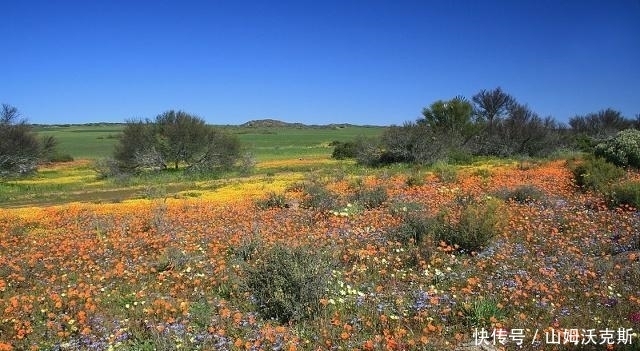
(344, 150)
(287, 283)
(318, 197)
(626, 193)
(523, 194)
(20, 149)
(415, 179)
(370, 198)
(446, 173)
(414, 229)
(623, 150)
(272, 200)
(175, 138)
(477, 223)
(595, 174)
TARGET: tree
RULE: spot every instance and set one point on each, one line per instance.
(136, 142)
(414, 143)
(523, 132)
(20, 149)
(491, 106)
(180, 137)
(600, 125)
(172, 139)
(452, 117)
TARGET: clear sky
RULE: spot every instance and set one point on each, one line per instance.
(361, 62)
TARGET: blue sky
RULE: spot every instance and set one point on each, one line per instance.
(361, 62)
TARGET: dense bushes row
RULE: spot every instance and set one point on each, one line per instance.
(596, 174)
(493, 123)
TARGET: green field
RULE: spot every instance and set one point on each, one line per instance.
(277, 151)
(265, 143)
(83, 141)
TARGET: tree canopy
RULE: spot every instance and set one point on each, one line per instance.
(173, 139)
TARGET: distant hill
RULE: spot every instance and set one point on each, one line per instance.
(274, 123)
(261, 123)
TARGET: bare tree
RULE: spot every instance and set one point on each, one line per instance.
(491, 106)
(20, 149)
(602, 124)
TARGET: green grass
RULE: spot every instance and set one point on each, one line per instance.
(83, 141)
(95, 141)
(265, 143)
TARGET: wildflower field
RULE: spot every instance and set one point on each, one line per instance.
(511, 255)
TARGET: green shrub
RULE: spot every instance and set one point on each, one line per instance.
(595, 174)
(107, 168)
(171, 259)
(248, 247)
(460, 157)
(623, 150)
(478, 223)
(522, 194)
(415, 179)
(483, 173)
(413, 229)
(273, 200)
(479, 313)
(370, 198)
(342, 150)
(446, 173)
(319, 197)
(627, 193)
(296, 187)
(247, 164)
(287, 283)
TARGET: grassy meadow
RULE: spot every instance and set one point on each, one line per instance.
(265, 143)
(275, 149)
(311, 253)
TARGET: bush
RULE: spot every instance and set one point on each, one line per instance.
(445, 172)
(478, 223)
(248, 248)
(173, 139)
(460, 157)
(20, 149)
(623, 150)
(595, 174)
(370, 152)
(247, 164)
(342, 150)
(287, 283)
(522, 194)
(319, 197)
(483, 173)
(413, 229)
(370, 198)
(627, 193)
(107, 168)
(415, 179)
(273, 200)
(481, 311)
